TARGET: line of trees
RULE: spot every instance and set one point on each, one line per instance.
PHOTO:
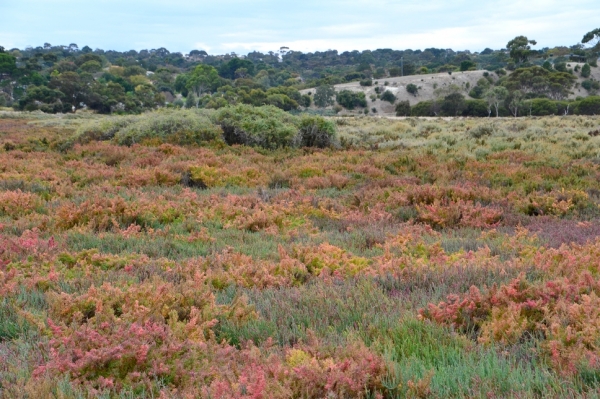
(66, 78)
(457, 105)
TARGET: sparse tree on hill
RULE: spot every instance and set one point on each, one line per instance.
(586, 71)
(520, 48)
(539, 81)
(468, 65)
(388, 96)
(591, 37)
(324, 96)
(203, 79)
(412, 89)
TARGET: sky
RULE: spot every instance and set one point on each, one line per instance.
(242, 26)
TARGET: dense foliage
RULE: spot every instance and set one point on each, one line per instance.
(267, 127)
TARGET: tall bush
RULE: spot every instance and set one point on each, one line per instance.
(424, 108)
(267, 126)
(316, 131)
(185, 127)
(586, 70)
(350, 100)
(543, 107)
(403, 108)
(589, 106)
(388, 96)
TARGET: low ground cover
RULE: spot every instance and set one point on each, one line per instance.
(413, 258)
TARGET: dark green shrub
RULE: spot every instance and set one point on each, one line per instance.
(366, 82)
(190, 101)
(412, 89)
(353, 76)
(589, 106)
(268, 126)
(349, 99)
(477, 108)
(477, 92)
(403, 108)
(388, 96)
(586, 70)
(543, 107)
(424, 108)
(468, 65)
(280, 101)
(590, 85)
(44, 99)
(453, 104)
(561, 66)
(306, 100)
(482, 86)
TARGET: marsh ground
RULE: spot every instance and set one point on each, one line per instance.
(422, 258)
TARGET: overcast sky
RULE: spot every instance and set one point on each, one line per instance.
(224, 26)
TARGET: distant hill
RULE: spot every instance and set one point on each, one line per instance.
(428, 84)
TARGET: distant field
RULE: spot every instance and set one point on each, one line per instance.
(417, 258)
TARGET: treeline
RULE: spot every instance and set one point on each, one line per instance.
(480, 108)
(66, 78)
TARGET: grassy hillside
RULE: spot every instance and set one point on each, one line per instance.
(428, 84)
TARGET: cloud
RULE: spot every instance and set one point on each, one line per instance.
(10, 40)
(441, 38)
(346, 29)
(495, 30)
(202, 46)
(310, 25)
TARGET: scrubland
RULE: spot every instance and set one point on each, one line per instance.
(412, 258)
